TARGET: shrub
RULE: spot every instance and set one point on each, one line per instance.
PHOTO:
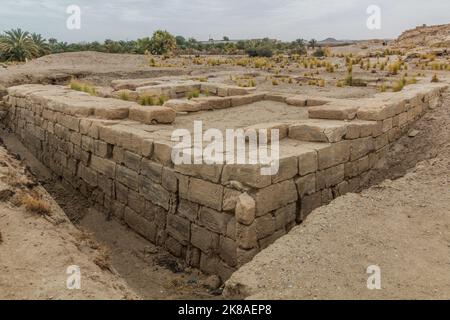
(260, 52)
(146, 100)
(192, 94)
(435, 78)
(124, 95)
(83, 87)
(36, 205)
(319, 53)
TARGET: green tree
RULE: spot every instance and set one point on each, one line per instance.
(143, 45)
(18, 45)
(312, 43)
(41, 43)
(163, 42)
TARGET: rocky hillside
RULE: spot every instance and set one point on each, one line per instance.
(437, 36)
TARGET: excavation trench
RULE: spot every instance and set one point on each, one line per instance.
(217, 240)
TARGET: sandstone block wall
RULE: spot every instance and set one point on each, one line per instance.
(216, 217)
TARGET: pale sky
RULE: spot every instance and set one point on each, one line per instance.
(237, 19)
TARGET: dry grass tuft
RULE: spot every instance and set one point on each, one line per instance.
(36, 205)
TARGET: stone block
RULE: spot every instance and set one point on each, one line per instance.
(152, 114)
(139, 224)
(127, 177)
(309, 204)
(246, 236)
(154, 192)
(245, 209)
(334, 154)
(152, 170)
(307, 161)
(227, 251)
(179, 228)
(103, 166)
(275, 196)
(318, 131)
(306, 185)
(330, 177)
(205, 193)
(214, 220)
(203, 239)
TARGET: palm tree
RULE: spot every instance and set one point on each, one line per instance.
(41, 43)
(312, 43)
(18, 45)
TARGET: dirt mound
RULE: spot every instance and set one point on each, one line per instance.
(437, 36)
(38, 245)
(96, 66)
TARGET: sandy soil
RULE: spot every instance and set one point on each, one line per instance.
(36, 250)
(402, 226)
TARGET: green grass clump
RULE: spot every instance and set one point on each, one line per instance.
(124, 95)
(146, 100)
(193, 94)
(83, 87)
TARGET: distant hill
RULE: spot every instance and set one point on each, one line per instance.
(437, 36)
(332, 42)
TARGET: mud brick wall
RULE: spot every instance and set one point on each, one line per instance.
(216, 217)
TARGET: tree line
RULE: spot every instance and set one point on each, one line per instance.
(19, 45)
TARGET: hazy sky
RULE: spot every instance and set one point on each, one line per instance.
(238, 19)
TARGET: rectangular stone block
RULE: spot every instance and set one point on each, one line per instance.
(214, 220)
(179, 228)
(334, 154)
(152, 114)
(203, 239)
(104, 166)
(206, 193)
(127, 177)
(330, 177)
(275, 196)
(154, 192)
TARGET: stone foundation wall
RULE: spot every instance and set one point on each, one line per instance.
(215, 217)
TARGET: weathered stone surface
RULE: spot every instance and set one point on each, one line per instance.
(127, 177)
(298, 101)
(188, 210)
(265, 226)
(230, 198)
(183, 105)
(154, 192)
(179, 228)
(206, 193)
(331, 111)
(141, 225)
(306, 185)
(203, 239)
(288, 168)
(246, 236)
(307, 161)
(330, 177)
(246, 174)
(214, 220)
(104, 166)
(361, 147)
(152, 170)
(245, 209)
(275, 197)
(227, 251)
(318, 131)
(333, 155)
(152, 114)
(309, 203)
